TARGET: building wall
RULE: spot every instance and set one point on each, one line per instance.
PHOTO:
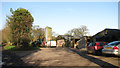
(107, 35)
(49, 33)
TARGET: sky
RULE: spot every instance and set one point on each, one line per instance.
(64, 16)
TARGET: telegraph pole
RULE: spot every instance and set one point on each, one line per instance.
(46, 36)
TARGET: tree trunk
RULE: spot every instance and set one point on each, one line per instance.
(17, 43)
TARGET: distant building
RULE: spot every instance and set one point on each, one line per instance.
(48, 33)
(107, 35)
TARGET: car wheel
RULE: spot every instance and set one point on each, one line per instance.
(99, 52)
(88, 52)
(106, 55)
(95, 52)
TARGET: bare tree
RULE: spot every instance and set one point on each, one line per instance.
(37, 33)
(80, 31)
(83, 30)
(54, 34)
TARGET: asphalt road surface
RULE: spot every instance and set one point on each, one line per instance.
(58, 57)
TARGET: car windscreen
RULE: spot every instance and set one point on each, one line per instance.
(106, 43)
(114, 43)
(92, 44)
(102, 44)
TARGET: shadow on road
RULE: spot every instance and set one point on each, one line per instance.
(93, 59)
(10, 59)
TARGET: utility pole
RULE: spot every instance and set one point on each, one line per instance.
(46, 34)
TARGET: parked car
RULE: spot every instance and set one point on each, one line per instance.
(112, 48)
(96, 47)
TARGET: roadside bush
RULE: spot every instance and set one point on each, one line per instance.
(4, 43)
(25, 40)
(36, 44)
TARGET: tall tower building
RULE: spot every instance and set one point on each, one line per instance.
(48, 33)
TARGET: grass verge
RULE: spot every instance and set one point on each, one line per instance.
(14, 48)
(9, 47)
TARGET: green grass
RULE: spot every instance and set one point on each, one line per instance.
(14, 48)
(9, 47)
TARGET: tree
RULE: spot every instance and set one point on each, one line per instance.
(78, 32)
(38, 33)
(20, 23)
(54, 36)
(6, 35)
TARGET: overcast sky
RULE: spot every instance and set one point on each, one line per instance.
(63, 16)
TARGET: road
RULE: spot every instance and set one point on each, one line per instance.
(65, 57)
